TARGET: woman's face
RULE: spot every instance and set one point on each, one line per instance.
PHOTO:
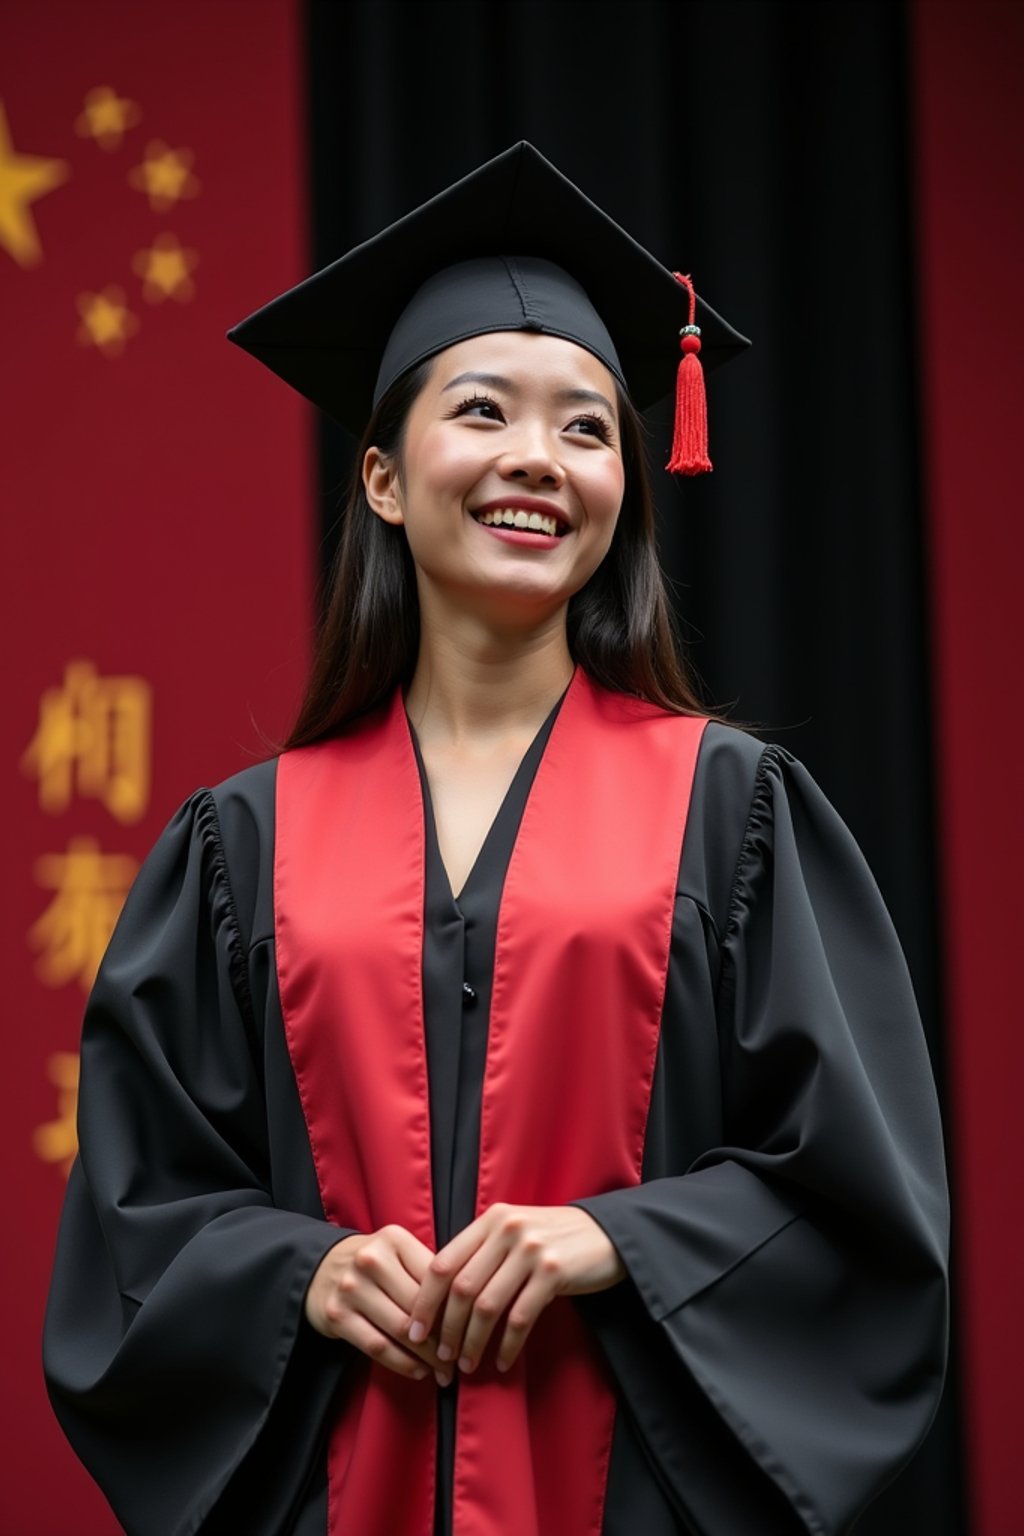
(506, 418)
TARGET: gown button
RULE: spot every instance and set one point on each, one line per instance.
(468, 995)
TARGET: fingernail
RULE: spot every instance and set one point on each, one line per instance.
(443, 1351)
(465, 1363)
(502, 1365)
(417, 1333)
(442, 1379)
(419, 1375)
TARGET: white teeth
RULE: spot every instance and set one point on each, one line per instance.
(518, 517)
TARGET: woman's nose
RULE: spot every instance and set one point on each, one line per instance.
(533, 456)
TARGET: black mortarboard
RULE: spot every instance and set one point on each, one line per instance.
(512, 246)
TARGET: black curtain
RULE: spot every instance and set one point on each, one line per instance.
(763, 147)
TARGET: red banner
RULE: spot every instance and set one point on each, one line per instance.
(970, 145)
(155, 488)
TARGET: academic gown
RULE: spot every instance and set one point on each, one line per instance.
(778, 1343)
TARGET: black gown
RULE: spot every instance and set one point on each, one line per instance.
(778, 1345)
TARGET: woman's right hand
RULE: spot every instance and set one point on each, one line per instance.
(363, 1291)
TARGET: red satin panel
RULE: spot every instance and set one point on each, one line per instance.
(348, 904)
(580, 968)
(579, 981)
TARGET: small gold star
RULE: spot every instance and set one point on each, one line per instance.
(106, 320)
(23, 178)
(165, 176)
(165, 270)
(106, 116)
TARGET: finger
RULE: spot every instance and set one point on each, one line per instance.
(382, 1312)
(443, 1266)
(535, 1295)
(493, 1300)
(382, 1350)
(507, 1235)
(466, 1290)
(387, 1318)
(458, 1307)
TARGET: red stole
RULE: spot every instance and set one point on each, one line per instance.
(580, 967)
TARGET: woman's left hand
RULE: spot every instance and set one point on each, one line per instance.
(518, 1256)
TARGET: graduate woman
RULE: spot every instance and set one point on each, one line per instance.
(504, 1112)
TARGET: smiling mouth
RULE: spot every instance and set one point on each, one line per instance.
(517, 520)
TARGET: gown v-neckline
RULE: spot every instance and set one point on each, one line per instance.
(524, 766)
(459, 939)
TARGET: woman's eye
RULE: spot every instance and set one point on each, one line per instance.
(476, 403)
(597, 426)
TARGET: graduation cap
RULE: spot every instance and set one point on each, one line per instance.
(514, 245)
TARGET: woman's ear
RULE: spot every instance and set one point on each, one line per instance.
(380, 481)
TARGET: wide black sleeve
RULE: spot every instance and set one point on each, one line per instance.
(176, 1352)
(781, 1338)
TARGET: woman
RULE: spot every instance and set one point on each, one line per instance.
(504, 1111)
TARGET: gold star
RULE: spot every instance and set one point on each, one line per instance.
(165, 270)
(106, 320)
(165, 175)
(106, 116)
(23, 178)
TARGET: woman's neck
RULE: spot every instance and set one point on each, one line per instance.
(473, 687)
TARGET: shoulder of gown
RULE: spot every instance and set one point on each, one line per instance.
(244, 806)
(728, 767)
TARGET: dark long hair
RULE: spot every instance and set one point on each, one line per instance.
(620, 626)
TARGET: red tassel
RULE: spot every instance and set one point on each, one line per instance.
(690, 437)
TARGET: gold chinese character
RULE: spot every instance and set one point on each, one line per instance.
(98, 727)
(57, 1140)
(75, 929)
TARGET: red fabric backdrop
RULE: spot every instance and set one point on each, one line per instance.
(969, 63)
(156, 532)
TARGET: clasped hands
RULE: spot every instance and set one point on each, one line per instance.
(414, 1311)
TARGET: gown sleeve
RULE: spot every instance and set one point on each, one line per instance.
(176, 1352)
(780, 1341)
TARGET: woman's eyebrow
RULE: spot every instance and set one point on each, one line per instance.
(499, 381)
